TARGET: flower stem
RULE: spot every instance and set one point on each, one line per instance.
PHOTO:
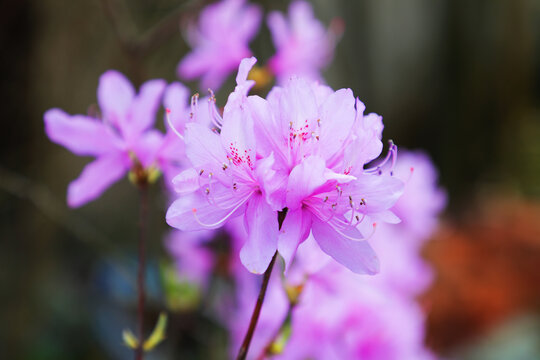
(242, 353)
(143, 219)
(256, 312)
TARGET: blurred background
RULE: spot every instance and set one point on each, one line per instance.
(460, 79)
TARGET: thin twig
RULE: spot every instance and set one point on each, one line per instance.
(143, 219)
(242, 353)
(167, 27)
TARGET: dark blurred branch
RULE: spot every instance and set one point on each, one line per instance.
(156, 36)
(242, 353)
(143, 220)
(50, 206)
(56, 210)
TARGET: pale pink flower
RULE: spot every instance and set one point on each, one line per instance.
(121, 139)
(220, 41)
(303, 46)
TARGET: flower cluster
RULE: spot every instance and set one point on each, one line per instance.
(303, 149)
(323, 311)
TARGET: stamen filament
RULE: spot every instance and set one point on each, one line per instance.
(227, 216)
(169, 122)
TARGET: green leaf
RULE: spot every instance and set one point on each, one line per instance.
(158, 335)
(130, 339)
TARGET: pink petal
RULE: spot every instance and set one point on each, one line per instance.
(380, 193)
(268, 130)
(295, 229)
(80, 134)
(176, 99)
(304, 179)
(203, 147)
(243, 71)
(147, 147)
(144, 107)
(213, 78)
(298, 103)
(115, 95)
(262, 228)
(238, 138)
(278, 28)
(358, 256)
(337, 118)
(198, 211)
(96, 178)
(273, 183)
(195, 64)
(186, 182)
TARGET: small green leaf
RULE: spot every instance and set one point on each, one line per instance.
(130, 339)
(158, 335)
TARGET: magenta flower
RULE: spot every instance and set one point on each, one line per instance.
(220, 41)
(303, 46)
(121, 140)
(303, 149)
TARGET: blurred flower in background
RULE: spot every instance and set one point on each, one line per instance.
(123, 139)
(219, 41)
(303, 46)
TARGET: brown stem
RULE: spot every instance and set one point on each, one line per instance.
(143, 218)
(242, 353)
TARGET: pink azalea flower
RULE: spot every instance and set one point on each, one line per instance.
(303, 46)
(220, 41)
(122, 139)
(303, 149)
